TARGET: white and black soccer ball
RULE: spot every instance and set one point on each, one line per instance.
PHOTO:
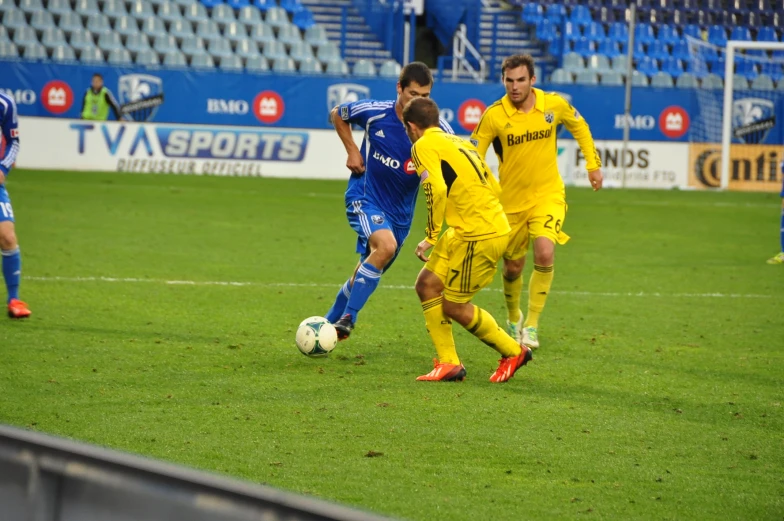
(316, 337)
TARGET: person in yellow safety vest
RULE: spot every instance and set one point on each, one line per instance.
(97, 101)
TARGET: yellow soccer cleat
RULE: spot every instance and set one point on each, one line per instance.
(777, 259)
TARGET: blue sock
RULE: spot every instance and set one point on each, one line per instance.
(341, 299)
(365, 283)
(782, 229)
(12, 271)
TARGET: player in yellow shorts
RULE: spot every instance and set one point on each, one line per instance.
(521, 126)
(460, 188)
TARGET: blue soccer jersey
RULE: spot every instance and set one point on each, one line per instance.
(390, 182)
(9, 125)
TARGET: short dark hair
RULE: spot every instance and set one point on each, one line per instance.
(415, 71)
(422, 112)
(518, 60)
(97, 75)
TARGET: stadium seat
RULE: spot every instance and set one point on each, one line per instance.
(672, 66)
(257, 63)
(662, 80)
(561, 77)
(284, 65)
(141, 9)
(14, 18)
(175, 59)
(658, 50)
(311, 66)
(762, 82)
(262, 33)
(389, 69)
(595, 32)
(238, 4)
(545, 31)
(135, 42)
(773, 70)
(230, 63)
(126, 26)
(611, 79)
(316, 35)
(53, 37)
(87, 7)
(4, 34)
(57, 7)
(208, 29)
(780, 85)
(619, 32)
(8, 49)
(647, 66)
(717, 36)
(608, 48)
(219, 48)
(291, 6)
(276, 17)
(274, 50)
(265, 5)
(34, 51)
(620, 63)
(99, 23)
(247, 48)
(202, 61)
(639, 79)
(162, 44)
(740, 33)
(767, 34)
(289, 35)
(223, 15)
(42, 20)
(110, 41)
(119, 57)
(192, 45)
(555, 13)
(328, 53)
(687, 81)
(25, 36)
(301, 51)
(114, 9)
(740, 82)
(170, 12)
(681, 51)
(586, 77)
(571, 32)
(184, 3)
(692, 30)
(92, 55)
(746, 68)
(148, 58)
(584, 47)
(69, 22)
(303, 19)
(195, 13)
(532, 13)
(598, 63)
(668, 34)
(639, 51)
(643, 33)
(82, 40)
(250, 16)
(235, 32)
(364, 68)
(63, 53)
(580, 16)
(340, 68)
(181, 29)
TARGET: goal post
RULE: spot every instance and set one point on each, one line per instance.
(733, 50)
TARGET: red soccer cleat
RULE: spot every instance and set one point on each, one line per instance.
(18, 309)
(509, 366)
(444, 373)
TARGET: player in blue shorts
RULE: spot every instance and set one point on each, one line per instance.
(779, 259)
(12, 259)
(382, 189)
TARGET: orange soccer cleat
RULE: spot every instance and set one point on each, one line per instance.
(509, 366)
(444, 373)
(18, 309)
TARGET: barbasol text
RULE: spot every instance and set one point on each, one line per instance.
(232, 144)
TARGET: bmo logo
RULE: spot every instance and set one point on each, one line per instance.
(674, 122)
(386, 161)
(469, 113)
(268, 107)
(409, 167)
(57, 97)
(223, 106)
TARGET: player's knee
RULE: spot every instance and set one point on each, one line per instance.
(545, 258)
(427, 285)
(7, 239)
(512, 270)
(385, 250)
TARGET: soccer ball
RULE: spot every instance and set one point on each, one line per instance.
(316, 337)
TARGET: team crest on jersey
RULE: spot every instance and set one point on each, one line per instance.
(549, 117)
(475, 142)
(377, 219)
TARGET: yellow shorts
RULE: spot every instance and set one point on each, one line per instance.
(465, 267)
(545, 219)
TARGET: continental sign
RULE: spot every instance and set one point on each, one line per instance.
(754, 168)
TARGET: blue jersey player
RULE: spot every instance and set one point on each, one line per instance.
(12, 259)
(382, 189)
(779, 258)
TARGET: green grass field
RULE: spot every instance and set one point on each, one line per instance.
(657, 393)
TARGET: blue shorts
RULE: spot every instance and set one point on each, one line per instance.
(366, 218)
(6, 212)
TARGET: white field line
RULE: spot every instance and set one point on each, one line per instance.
(132, 280)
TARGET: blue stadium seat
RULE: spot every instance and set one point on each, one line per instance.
(257, 64)
(291, 6)
(658, 50)
(125, 26)
(561, 77)
(611, 79)
(135, 42)
(25, 35)
(672, 66)
(772, 69)
(740, 33)
(170, 12)
(767, 34)
(262, 33)
(717, 35)
(303, 19)
(571, 32)
(746, 68)
(532, 13)
(247, 48)
(584, 47)
(230, 63)
(202, 61)
(249, 15)
(662, 80)
(595, 32)
(762, 82)
(42, 20)
(647, 66)
(668, 34)
(639, 51)
(586, 78)
(284, 65)
(175, 59)
(643, 33)
(555, 13)
(148, 58)
(581, 16)
(389, 69)
(34, 51)
(91, 55)
(545, 31)
(316, 35)
(264, 5)
(238, 4)
(53, 37)
(209, 4)
(681, 51)
(687, 81)
(364, 68)
(692, 30)
(609, 48)
(619, 32)
(310, 66)
(606, 15)
(119, 57)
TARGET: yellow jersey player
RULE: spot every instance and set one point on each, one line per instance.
(458, 186)
(521, 126)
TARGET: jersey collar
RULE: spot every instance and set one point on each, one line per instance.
(510, 109)
(432, 130)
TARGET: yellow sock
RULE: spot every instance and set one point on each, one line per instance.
(512, 290)
(440, 329)
(485, 328)
(539, 287)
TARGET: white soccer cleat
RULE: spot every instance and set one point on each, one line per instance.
(530, 337)
(515, 329)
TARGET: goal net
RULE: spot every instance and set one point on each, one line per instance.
(738, 138)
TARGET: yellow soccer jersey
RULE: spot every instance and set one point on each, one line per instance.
(458, 185)
(526, 146)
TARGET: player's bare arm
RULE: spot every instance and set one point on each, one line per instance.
(354, 162)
